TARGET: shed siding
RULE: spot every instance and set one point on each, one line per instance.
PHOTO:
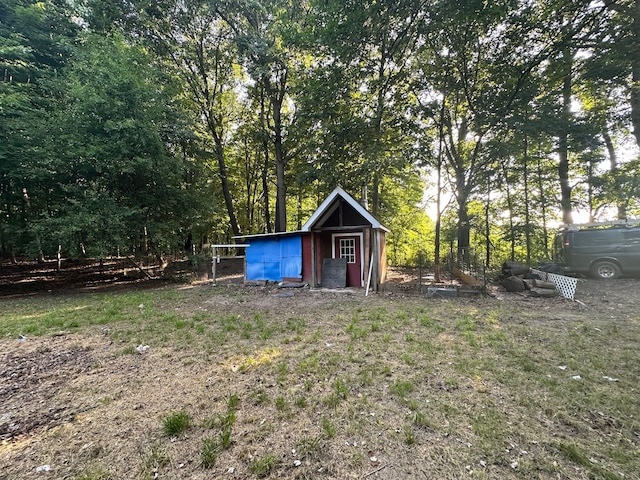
(307, 260)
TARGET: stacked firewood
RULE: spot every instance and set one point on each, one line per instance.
(517, 277)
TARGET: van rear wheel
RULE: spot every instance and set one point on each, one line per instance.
(605, 270)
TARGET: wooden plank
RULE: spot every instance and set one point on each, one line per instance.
(465, 278)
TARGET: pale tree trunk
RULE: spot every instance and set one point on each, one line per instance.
(527, 214)
(510, 207)
(543, 208)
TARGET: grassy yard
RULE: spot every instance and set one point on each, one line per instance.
(255, 383)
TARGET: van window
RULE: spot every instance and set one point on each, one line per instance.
(596, 238)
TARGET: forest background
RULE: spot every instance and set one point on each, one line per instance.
(160, 126)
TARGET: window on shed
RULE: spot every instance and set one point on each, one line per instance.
(348, 249)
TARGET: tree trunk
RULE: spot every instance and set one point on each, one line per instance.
(613, 158)
(543, 207)
(563, 139)
(464, 231)
(265, 165)
(630, 44)
(299, 222)
(436, 260)
(375, 197)
(226, 192)
(487, 224)
(592, 212)
(510, 207)
(276, 97)
(281, 186)
(634, 57)
(527, 217)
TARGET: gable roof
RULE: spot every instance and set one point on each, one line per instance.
(328, 203)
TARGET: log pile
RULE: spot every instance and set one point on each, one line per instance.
(517, 277)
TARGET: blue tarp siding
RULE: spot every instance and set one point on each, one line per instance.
(274, 258)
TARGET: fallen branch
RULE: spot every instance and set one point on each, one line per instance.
(140, 268)
(376, 470)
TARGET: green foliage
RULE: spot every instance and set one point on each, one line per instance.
(209, 453)
(175, 423)
(121, 131)
(263, 466)
(98, 169)
(328, 427)
(410, 240)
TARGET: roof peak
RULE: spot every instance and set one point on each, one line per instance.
(326, 204)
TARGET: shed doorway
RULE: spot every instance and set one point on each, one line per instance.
(349, 247)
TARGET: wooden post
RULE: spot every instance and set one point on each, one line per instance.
(366, 292)
(375, 260)
(214, 260)
(314, 282)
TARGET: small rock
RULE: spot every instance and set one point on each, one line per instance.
(297, 463)
(43, 468)
(576, 377)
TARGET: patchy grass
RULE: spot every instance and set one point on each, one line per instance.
(176, 423)
(319, 384)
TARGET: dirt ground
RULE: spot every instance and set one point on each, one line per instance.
(55, 384)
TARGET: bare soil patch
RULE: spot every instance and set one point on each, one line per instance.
(388, 387)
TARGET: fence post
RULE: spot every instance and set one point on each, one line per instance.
(214, 259)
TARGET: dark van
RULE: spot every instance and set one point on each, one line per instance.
(604, 253)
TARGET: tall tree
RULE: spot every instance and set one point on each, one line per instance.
(366, 50)
(468, 71)
(192, 39)
(118, 179)
(36, 42)
(626, 30)
(267, 35)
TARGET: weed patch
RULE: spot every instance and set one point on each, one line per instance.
(176, 423)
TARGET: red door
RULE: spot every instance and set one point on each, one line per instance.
(349, 247)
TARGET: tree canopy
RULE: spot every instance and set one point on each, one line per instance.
(159, 126)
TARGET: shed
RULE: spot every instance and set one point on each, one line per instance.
(340, 230)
